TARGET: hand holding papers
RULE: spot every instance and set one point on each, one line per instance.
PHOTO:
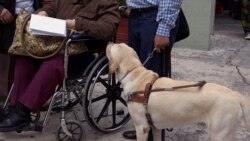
(41, 25)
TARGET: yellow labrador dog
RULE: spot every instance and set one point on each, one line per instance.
(221, 108)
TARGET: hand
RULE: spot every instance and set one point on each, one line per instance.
(128, 11)
(42, 13)
(161, 42)
(6, 17)
(70, 24)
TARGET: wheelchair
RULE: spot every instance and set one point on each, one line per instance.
(88, 84)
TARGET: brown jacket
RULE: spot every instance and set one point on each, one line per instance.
(97, 18)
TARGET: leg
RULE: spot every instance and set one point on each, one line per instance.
(223, 123)
(32, 89)
(245, 17)
(166, 56)
(11, 71)
(25, 69)
(142, 133)
(157, 134)
(5, 71)
(134, 40)
(44, 82)
(224, 134)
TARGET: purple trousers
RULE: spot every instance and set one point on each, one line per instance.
(35, 80)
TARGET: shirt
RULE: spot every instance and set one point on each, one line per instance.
(168, 11)
(24, 4)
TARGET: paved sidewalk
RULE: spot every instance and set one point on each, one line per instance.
(226, 63)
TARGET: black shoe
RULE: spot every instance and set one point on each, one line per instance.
(5, 111)
(129, 135)
(17, 118)
(2, 114)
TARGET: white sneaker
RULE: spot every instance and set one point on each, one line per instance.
(247, 37)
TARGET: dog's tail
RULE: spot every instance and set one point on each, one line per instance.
(245, 106)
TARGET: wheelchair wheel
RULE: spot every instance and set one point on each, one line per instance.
(104, 106)
(75, 128)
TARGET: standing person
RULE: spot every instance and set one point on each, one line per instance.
(8, 11)
(153, 24)
(245, 17)
(35, 80)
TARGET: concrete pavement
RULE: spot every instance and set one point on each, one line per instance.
(226, 63)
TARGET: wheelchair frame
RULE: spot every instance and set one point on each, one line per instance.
(94, 79)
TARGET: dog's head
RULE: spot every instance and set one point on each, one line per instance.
(121, 56)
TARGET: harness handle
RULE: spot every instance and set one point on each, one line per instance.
(198, 84)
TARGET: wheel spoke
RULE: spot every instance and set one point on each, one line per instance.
(104, 83)
(99, 98)
(105, 107)
(74, 129)
(122, 101)
(114, 112)
(64, 136)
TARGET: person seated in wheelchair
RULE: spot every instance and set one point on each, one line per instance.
(35, 80)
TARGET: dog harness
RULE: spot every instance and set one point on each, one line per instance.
(143, 96)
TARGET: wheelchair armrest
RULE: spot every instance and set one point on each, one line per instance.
(94, 45)
(81, 37)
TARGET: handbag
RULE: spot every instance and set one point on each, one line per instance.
(183, 30)
(38, 46)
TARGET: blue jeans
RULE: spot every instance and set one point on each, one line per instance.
(142, 27)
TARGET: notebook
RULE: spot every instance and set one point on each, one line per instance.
(42, 25)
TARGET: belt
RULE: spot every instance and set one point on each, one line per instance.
(141, 10)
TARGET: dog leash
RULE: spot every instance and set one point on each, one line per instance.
(150, 55)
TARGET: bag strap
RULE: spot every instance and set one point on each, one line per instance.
(25, 45)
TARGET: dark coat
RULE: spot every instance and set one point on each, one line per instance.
(7, 30)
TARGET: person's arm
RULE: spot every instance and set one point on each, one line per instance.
(1, 8)
(167, 14)
(48, 10)
(168, 11)
(105, 26)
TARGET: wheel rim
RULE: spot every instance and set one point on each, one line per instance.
(75, 128)
(104, 107)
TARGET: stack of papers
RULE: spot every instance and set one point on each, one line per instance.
(41, 25)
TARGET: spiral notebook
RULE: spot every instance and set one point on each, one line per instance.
(42, 25)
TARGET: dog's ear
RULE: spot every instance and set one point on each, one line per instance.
(108, 49)
(113, 65)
